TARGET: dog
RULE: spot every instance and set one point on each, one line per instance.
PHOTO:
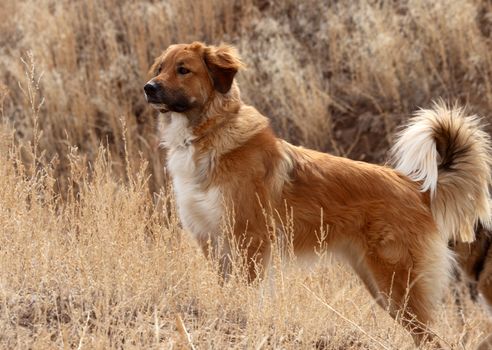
(474, 267)
(475, 262)
(392, 224)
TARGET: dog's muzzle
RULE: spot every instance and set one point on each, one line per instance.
(165, 99)
(151, 91)
(153, 95)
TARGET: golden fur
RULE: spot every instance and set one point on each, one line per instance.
(228, 167)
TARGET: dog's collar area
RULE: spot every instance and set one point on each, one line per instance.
(193, 141)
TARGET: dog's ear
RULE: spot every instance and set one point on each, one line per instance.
(223, 62)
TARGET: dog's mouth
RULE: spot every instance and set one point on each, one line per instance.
(180, 107)
(161, 107)
(169, 101)
(164, 108)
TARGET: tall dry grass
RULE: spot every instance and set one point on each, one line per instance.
(91, 252)
(104, 268)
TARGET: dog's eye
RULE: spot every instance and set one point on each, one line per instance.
(183, 70)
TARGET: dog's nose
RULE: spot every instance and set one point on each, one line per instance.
(151, 88)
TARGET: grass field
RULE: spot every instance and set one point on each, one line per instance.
(92, 255)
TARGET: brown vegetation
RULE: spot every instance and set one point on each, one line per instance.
(106, 265)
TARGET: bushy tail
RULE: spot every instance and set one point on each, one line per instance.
(449, 154)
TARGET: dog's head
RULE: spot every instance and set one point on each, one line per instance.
(186, 77)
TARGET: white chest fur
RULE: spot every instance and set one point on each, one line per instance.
(200, 209)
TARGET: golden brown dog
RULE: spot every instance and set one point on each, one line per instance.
(391, 225)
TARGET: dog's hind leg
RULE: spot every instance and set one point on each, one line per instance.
(359, 264)
(400, 295)
(387, 281)
(411, 287)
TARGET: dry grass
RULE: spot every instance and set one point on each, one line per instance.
(92, 259)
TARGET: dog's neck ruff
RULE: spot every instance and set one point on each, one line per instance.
(221, 109)
(176, 132)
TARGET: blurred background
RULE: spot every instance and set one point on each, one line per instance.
(337, 76)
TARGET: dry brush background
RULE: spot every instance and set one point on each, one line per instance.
(91, 252)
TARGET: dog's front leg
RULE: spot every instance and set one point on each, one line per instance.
(257, 258)
(250, 255)
(217, 251)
